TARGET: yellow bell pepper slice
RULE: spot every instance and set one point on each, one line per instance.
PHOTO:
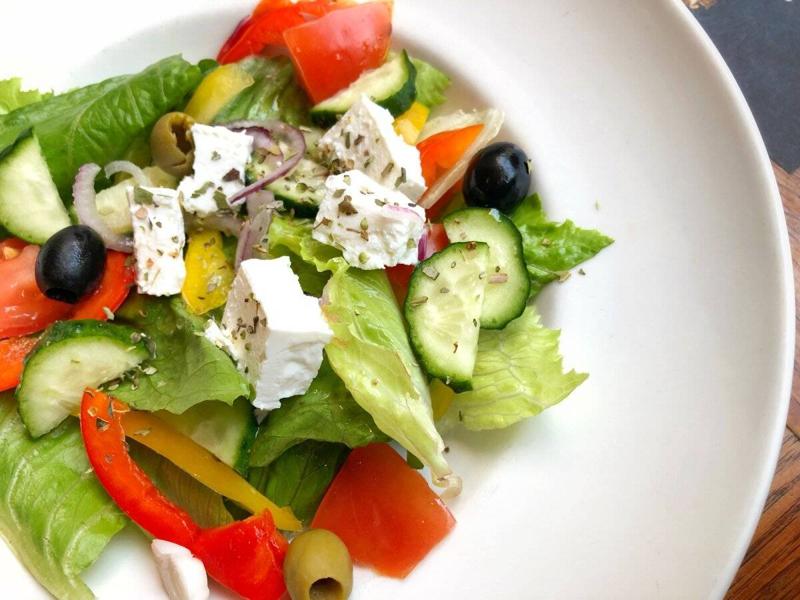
(209, 275)
(409, 125)
(442, 397)
(218, 88)
(184, 453)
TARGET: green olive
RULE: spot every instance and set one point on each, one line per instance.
(172, 145)
(318, 567)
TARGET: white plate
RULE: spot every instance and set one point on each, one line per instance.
(649, 480)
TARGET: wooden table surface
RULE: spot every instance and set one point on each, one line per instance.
(771, 568)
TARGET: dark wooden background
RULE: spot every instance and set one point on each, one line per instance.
(771, 569)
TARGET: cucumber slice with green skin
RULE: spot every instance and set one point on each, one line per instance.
(391, 86)
(226, 431)
(30, 207)
(302, 190)
(508, 284)
(70, 357)
(443, 309)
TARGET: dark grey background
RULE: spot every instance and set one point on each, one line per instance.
(760, 40)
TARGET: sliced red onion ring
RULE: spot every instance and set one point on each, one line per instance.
(255, 228)
(86, 207)
(265, 199)
(492, 121)
(267, 136)
(125, 166)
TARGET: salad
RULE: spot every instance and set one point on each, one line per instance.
(245, 300)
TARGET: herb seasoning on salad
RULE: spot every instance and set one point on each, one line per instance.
(229, 287)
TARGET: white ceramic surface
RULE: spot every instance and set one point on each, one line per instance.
(649, 480)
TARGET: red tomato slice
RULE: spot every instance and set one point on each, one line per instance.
(266, 28)
(434, 240)
(384, 511)
(12, 356)
(112, 291)
(331, 52)
(23, 307)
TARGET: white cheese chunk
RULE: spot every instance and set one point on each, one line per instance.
(220, 158)
(274, 331)
(375, 227)
(365, 139)
(158, 240)
(183, 576)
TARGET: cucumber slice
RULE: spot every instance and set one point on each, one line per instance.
(71, 356)
(302, 190)
(30, 207)
(443, 309)
(508, 284)
(391, 86)
(226, 431)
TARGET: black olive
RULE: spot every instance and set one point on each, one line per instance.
(71, 264)
(498, 177)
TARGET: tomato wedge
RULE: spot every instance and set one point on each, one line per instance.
(12, 356)
(24, 309)
(384, 511)
(114, 288)
(331, 52)
(434, 239)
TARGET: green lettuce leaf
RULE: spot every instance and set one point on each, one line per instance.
(274, 95)
(301, 476)
(203, 505)
(326, 413)
(53, 513)
(552, 249)
(19, 122)
(518, 374)
(370, 351)
(102, 128)
(187, 368)
(12, 96)
(431, 84)
(312, 261)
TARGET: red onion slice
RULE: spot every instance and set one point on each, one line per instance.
(492, 120)
(267, 136)
(255, 228)
(125, 166)
(86, 207)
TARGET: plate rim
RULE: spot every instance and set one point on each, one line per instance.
(687, 20)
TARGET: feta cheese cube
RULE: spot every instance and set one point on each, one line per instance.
(365, 139)
(375, 227)
(158, 240)
(220, 158)
(183, 576)
(274, 331)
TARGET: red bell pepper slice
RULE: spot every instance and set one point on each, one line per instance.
(245, 556)
(384, 511)
(12, 360)
(440, 153)
(114, 288)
